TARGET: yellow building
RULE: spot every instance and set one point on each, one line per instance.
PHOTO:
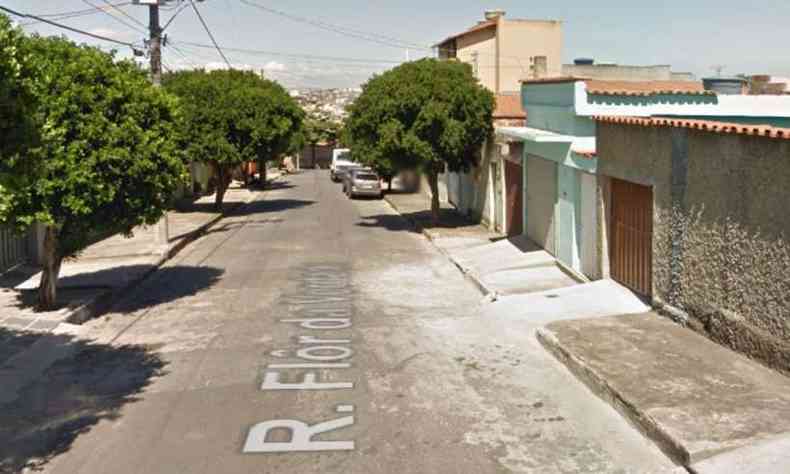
(503, 52)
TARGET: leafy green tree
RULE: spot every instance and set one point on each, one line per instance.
(106, 160)
(424, 115)
(233, 117)
(321, 131)
(17, 131)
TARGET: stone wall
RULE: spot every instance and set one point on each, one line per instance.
(721, 253)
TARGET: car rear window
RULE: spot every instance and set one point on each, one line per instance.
(367, 177)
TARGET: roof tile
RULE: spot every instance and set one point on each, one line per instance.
(703, 125)
(478, 27)
(508, 106)
(645, 88)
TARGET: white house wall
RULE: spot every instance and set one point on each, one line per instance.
(589, 227)
(541, 196)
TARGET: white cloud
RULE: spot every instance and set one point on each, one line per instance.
(274, 66)
(113, 34)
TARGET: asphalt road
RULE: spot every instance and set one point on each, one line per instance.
(328, 319)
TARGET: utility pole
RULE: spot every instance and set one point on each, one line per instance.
(155, 55)
(155, 44)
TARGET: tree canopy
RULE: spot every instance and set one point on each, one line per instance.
(105, 160)
(16, 97)
(424, 115)
(232, 117)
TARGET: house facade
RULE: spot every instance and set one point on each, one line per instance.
(561, 160)
(492, 191)
(694, 215)
(503, 51)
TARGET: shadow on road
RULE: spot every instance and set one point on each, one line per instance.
(92, 384)
(448, 219)
(101, 287)
(271, 205)
(170, 284)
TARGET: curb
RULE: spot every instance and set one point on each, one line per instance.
(643, 422)
(489, 294)
(100, 304)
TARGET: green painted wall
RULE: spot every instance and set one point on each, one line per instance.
(551, 107)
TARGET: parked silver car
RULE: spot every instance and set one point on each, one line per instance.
(362, 182)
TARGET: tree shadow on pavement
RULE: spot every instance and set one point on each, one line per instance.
(91, 383)
(271, 205)
(169, 284)
(102, 288)
(448, 219)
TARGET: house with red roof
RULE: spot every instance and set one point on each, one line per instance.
(560, 156)
(693, 214)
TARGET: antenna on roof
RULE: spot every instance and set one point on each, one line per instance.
(718, 68)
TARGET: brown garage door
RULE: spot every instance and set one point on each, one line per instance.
(631, 250)
(514, 177)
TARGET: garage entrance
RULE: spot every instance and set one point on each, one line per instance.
(631, 252)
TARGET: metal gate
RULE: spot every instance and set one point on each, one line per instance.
(632, 236)
(514, 177)
(13, 248)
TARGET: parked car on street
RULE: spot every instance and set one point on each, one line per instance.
(341, 162)
(362, 182)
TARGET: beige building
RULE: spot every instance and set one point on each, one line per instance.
(503, 52)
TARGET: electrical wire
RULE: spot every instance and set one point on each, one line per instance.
(371, 37)
(210, 35)
(293, 55)
(66, 27)
(134, 20)
(180, 9)
(128, 25)
(71, 14)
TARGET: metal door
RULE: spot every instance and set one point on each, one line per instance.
(567, 218)
(496, 180)
(631, 252)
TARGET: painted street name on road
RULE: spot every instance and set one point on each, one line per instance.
(324, 306)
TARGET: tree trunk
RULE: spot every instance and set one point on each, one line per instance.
(315, 164)
(389, 183)
(47, 290)
(223, 180)
(263, 174)
(433, 182)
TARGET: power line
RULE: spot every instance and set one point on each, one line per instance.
(180, 9)
(66, 27)
(293, 55)
(87, 2)
(371, 37)
(72, 14)
(205, 26)
(135, 20)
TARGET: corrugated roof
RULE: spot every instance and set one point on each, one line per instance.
(478, 27)
(508, 106)
(703, 125)
(645, 88)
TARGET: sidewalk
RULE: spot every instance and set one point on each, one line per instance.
(91, 282)
(708, 408)
(694, 398)
(499, 266)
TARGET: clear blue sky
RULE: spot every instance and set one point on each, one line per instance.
(691, 35)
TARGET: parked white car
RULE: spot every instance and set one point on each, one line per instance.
(340, 162)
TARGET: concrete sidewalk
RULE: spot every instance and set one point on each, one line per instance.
(453, 230)
(106, 269)
(696, 399)
(711, 410)
(499, 266)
